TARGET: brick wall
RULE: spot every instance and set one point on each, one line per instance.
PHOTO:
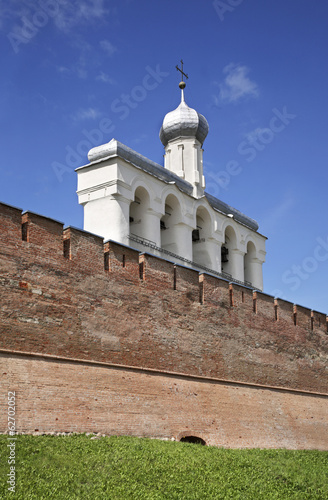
(67, 396)
(66, 293)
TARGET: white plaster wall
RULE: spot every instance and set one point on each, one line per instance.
(106, 190)
(108, 217)
(184, 157)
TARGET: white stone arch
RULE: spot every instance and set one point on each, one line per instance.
(232, 257)
(171, 223)
(203, 205)
(144, 219)
(231, 223)
(139, 182)
(202, 237)
(252, 264)
(249, 261)
(250, 238)
(175, 192)
(139, 207)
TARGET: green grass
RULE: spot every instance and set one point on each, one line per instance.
(77, 467)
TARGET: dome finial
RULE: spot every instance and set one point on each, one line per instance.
(182, 84)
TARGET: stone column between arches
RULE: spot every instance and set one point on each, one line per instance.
(108, 217)
(237, 269)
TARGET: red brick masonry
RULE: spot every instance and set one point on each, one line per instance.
(66, 294)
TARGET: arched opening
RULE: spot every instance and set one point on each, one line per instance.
(249, 263)
(169, 225)
(200, 237)
(228, 250)
(138, 213)
(193, 439)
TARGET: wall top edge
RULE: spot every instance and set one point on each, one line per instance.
(10, 206)
(83, 231)
(29, 212)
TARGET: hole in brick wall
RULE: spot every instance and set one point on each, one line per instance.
(243, 296)
(295, 318)
(276, 312)
(254, 305)
(231, 297)
(106, 261)
(174, 278)
(141, 270)
(312, 322)
(201, 292)
(67, 249)
(193, 439)
(25, 231)
(123, 260)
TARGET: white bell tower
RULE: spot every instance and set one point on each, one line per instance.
(182, 134)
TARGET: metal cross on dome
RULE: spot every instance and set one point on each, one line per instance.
(181, 70)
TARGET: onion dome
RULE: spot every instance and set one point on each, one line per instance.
(183, 122)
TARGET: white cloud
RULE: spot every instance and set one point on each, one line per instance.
(237, 84)
(72, 13)
(62, 69)
(257, 133)
(140, 138)
(103, 77)
(11, 12)
(86, 114)
(79, 68)
(216, 101)
(66, 13)
(108, 47)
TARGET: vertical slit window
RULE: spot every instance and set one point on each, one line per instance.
(141, 270)
(67, 249)
(254, 304)
(231, 296)
(106, 261)
(25, 231)
(201, 292)
(276, 312)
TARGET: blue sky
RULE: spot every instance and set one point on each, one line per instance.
(74, 73)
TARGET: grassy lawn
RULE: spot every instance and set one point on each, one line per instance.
(78, 467)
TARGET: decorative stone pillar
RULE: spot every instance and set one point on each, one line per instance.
(184, 240)
(214, 249)
(108, 217)
(237, 264)
(152, 226)
(256, 273)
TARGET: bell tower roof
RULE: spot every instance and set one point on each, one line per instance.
(183, 121)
